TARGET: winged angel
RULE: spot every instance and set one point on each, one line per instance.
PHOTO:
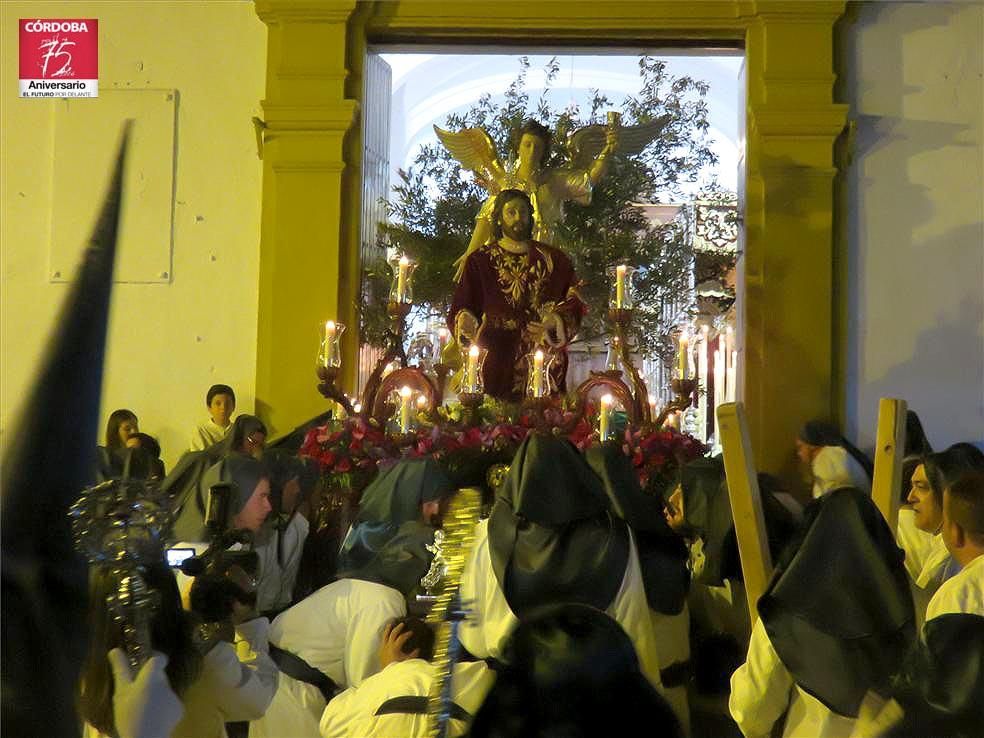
(587, 150)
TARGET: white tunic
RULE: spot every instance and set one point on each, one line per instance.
(963, 592)
(352, 714)
(237, 683)
(926, 560)
(337, 631)
(762, 689)
(207, 434)
(275, 583)
(833, 467)
(485, 632)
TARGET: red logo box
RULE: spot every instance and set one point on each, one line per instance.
(59, 57)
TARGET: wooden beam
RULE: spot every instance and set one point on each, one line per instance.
(746, 503)
(889, 449)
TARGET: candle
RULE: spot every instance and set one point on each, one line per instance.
(421, 402)
(472, 368)
(702, 380)
(538, 373)
(404, 409)
(653, 402)
(330, 329)
(619, 286)
(684, 340)
(606, 407)
(729, 341)
(732, 377)
(401, 280)
(443, 334)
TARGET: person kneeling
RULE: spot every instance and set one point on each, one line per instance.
(394, 700)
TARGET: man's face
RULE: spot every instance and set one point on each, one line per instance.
(127, 429)
(516, 220)
(929, 516)
(256, 509)
(221, 409)
(530, 149)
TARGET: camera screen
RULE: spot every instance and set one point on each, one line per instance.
(177, 555)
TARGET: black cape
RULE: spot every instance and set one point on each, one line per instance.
(552, 537)
(662, 553)
(838, 609)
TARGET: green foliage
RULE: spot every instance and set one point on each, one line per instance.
(432, 215)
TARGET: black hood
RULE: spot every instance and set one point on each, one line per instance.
(552, 537)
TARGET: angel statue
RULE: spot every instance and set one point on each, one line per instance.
(588, 150)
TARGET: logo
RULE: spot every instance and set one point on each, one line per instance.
(59, 57)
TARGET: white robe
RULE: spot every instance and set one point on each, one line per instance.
(275, 583)
(207, 434)
(762, 689)
(926, 560)
(352, 714)
(833, 467)
(485, 631)
(237, 683)
(336, 630)
(963, 592)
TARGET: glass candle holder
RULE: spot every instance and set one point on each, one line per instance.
(622, 294)
(402, 288)
(539, 383)
(473, 361)
(330, 348)
(613, 362)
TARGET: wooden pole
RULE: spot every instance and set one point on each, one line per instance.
(889, 449)
(746, 502)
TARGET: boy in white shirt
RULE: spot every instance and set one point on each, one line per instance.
(221, 403)
(963, 534)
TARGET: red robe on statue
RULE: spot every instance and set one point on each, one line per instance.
(505, 292)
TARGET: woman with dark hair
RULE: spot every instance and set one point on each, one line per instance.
(121, 425)
(834, 461)
(171, 635)
(111, 458)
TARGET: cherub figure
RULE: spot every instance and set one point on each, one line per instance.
(588, 151)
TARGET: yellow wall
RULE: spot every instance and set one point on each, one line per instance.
(169, 341)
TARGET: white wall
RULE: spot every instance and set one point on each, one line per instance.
(168, 342)
(914, 78)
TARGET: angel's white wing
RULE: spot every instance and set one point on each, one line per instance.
(474, 150)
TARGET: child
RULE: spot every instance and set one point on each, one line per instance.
(221, 403)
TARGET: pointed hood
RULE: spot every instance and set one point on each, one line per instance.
(552, 537)
(46, 468)
(662, 553)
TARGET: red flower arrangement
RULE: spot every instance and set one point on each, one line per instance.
(351, 451)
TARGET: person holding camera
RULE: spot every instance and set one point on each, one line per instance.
(238, 678)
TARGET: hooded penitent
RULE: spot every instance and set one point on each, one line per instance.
(707, 513)
(393, 498)
(662, 553)
(838, 609)
(822, 433)
(552, 537)
(244, 472)
(187, 485)
(49, 464)
(401, 562)
(571, 670)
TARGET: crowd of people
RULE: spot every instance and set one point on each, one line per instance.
(592, 606)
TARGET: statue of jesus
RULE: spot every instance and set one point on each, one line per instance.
(515, 295)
